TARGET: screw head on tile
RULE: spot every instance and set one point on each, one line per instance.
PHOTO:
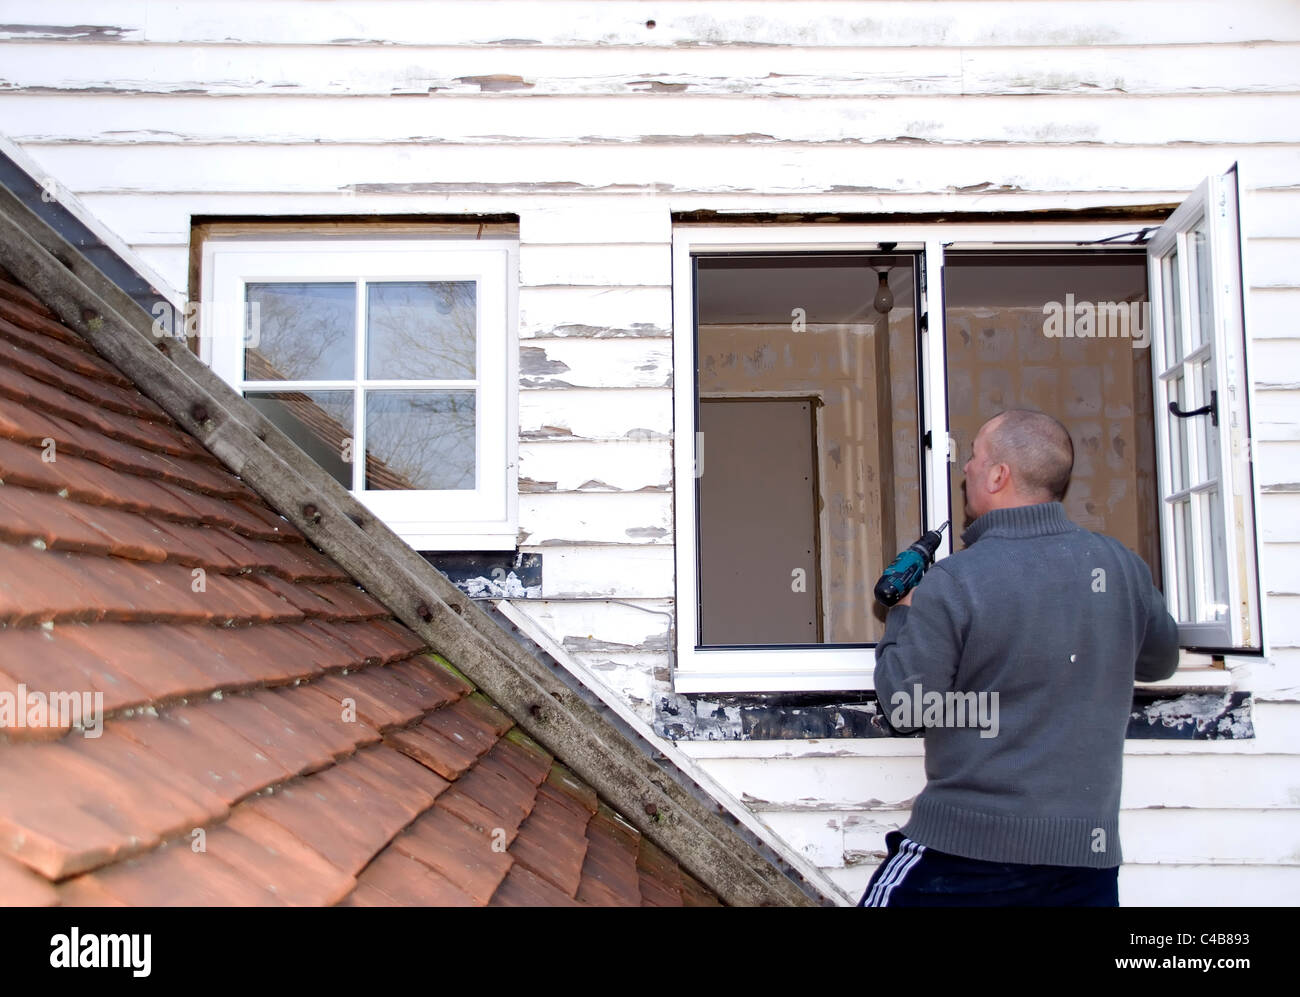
(424, 612)
(311, 513)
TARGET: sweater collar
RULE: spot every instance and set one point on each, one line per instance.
(1022, 521)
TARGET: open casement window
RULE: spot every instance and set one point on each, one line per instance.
(388, 361)
(817, 435)
(1207, 516)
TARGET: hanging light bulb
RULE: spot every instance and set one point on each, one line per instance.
(884, 299)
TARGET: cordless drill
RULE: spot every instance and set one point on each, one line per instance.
(907, 568)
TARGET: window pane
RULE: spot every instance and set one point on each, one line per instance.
(1183, 558)
(809, 478)
(306, 332)
(420, 439)
(421, 329)
(1059, 332)
(1214, 604)
(1207, 433)
(318, 421)
(1202, 323)
(1173, 309)
(1179, 473)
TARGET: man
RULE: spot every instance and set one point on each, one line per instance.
(1053, 623)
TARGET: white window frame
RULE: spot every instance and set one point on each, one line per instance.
(830, 668)
(1215, 202)
(482, 518)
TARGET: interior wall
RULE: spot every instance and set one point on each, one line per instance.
(865, 375)
(1100, 389)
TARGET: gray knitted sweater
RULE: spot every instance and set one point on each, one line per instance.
(1057, 622)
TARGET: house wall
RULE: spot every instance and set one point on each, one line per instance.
(592, 126)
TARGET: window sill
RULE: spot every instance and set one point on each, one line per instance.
(446, 541)
(783, 669)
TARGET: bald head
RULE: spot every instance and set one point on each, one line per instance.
(1036, 447)
(1018, 458)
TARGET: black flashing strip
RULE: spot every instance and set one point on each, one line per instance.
(1193, 716)
(490, 574)
(1185, 714)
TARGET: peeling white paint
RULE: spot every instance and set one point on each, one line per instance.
(592, 129)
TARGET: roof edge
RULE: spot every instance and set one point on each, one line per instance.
(650, 792)
(63, 211)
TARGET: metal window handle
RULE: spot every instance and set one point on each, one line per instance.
(1212, 409)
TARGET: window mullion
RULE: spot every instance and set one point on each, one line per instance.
(934, 418)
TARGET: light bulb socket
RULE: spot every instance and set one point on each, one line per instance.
(883, 302)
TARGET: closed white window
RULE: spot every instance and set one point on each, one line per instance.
(390, 362)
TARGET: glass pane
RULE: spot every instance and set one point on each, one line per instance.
(1183, 556)
(1214, 603)
(1207, 433)
(1179, 473)
(318, 421)
(1060, 332)
(1173, 313)
(306, 332)
(1202, 323)
(421, 329)
(807, 407)
(420, 439)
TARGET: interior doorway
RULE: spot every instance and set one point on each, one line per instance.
(760, 556)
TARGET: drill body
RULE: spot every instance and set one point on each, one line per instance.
(907, 568)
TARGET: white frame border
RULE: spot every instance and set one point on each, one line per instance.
(1216, 199)
(394, 258)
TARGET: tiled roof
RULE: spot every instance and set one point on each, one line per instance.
(271, 734)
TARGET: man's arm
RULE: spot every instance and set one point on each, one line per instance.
(1158, 657)
(921, 646)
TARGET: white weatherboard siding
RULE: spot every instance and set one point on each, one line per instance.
(593, 127)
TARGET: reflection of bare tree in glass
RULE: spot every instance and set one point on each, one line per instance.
(305, 331)
(426, 437)
(415, 330)
(422, 329)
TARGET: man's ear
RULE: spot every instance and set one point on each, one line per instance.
(999, 477)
